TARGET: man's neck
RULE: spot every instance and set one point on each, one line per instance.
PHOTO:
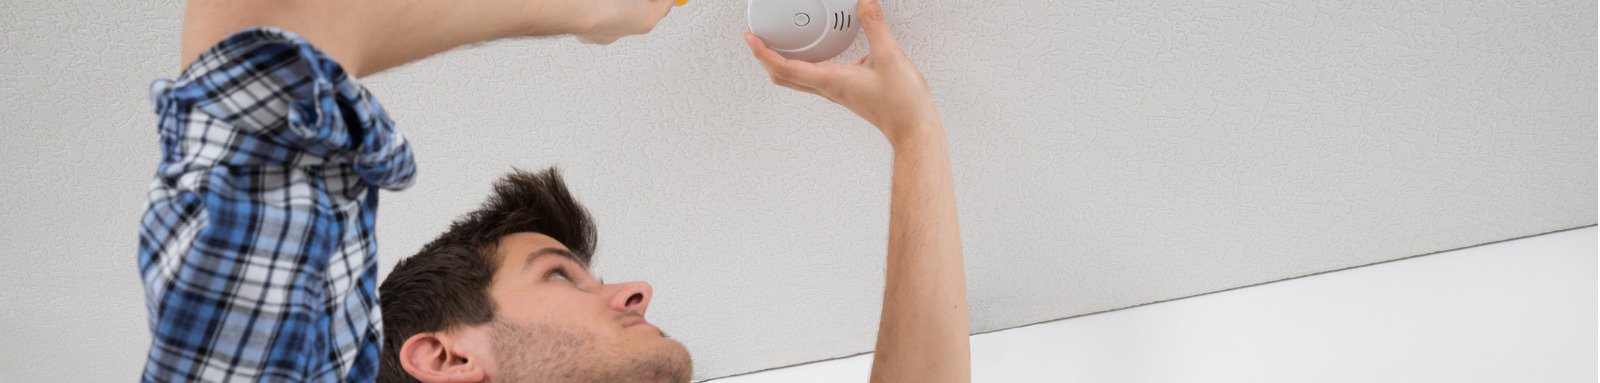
(369, 36)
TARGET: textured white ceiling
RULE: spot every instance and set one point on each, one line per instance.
(1107, 154)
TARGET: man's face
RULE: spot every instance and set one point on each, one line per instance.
(555, 322)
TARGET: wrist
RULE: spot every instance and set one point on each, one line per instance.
(916, 136)
(584, 24)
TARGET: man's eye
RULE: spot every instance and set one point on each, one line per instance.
(559, 275)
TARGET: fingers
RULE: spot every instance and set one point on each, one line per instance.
(874, 26)
(596, 40)
(661, 8)
(798, 72)
(792, 85)
(653, 13)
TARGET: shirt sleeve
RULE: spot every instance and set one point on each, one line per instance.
(257, 247)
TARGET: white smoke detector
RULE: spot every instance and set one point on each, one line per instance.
(810, 30)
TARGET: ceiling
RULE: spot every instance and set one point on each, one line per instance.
(1106, 155)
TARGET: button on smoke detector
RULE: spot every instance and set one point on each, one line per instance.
(788, 28)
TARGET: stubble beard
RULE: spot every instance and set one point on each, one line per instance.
(541, 352)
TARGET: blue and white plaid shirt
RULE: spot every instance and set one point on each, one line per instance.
(257, 248)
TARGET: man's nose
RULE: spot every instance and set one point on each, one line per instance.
(631, 296)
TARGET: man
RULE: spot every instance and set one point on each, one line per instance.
(506, 294)
(256, 247)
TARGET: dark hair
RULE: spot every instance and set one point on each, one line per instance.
(447, 283)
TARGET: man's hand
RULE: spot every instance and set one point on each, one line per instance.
(883, 87)
(610, 20)
(923, 331)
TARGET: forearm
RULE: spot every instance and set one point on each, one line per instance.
(369, 36)
(923, 329)
(432, 26)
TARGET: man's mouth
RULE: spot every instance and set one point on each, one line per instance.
(635, 320)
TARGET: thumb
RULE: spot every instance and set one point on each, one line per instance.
(873, 24)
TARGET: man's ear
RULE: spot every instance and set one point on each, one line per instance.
(437, 357)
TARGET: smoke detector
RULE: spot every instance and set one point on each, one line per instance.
(810, 30)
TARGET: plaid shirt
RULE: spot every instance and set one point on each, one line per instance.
(257, 248)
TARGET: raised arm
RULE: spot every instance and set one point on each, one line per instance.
(923, 330)
(369, 36)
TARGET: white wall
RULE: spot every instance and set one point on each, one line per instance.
(1515, 311)
(1107, 154)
